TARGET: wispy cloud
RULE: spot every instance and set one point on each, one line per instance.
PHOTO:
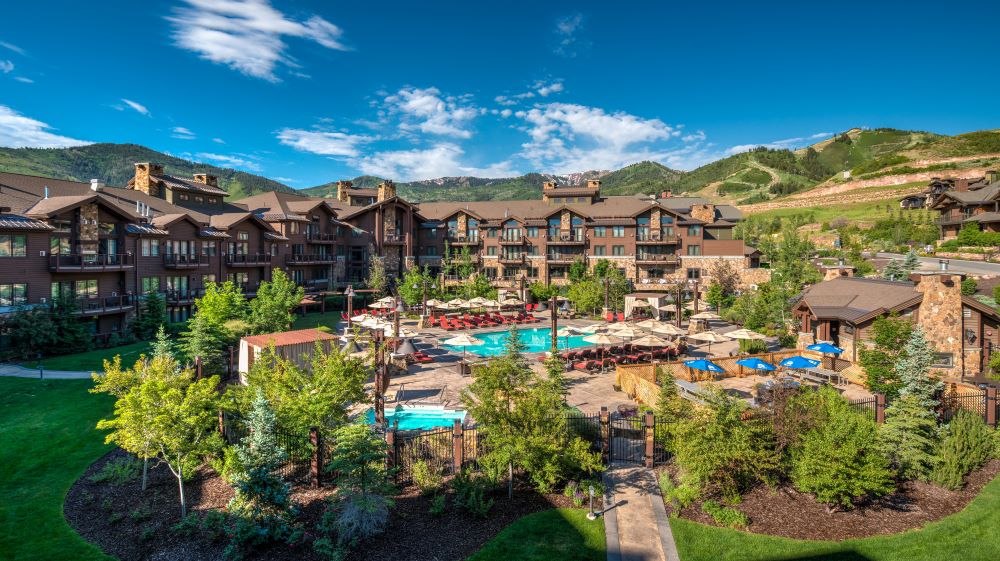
(24, 80)
(218, 141)
(6, 66)
(286, 179)
(567, 30)
(787, 143)
(182, 133)
(231, 161)
(13, 47)
(441, 160)
(324, 143)
(429, 111)
(18, 131)
(247, 35)
(136, 106)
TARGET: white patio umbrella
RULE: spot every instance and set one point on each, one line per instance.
(511, 301)
(379, 305)
(602, 339)
(360, 317)
(464, 340)
(386, 300)
(477, 302)
(374, 323)
(593, 328)
(706, 316)
(567, 332)
(652, 341)
(702, 305)
(668, 329)
(491, 303)
(746, 334)
(709, 337)
(650, 324)
(626, 331)
(390, 331)
(458, 303)
(433, 303)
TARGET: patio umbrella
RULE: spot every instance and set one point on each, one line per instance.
(374, 323)
(511, 301)
(668, 329)
(799, 362)
(379, 305)
(360, 317)
(650, 324)
(491, 304)
(458, 303)
(626, 330)
(746, 334)
(350, 347)
(706, 316)
(477, 302)
(757, 364)
(567, 332)
(464, 340)
(592, 328)
(651, 341)
(702, 305)
(825, 348)
(709, 337)
(433, 303)
(386, 300)
(390, 331)
(602, 339)
(704, 365)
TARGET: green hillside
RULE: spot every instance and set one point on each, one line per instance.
(114, 164)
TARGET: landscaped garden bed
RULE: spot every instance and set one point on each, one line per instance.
(132, 524)
(786, 512)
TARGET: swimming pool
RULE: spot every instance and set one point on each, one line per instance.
(419, 417)
(535, 340)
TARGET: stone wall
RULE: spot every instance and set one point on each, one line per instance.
(89, 216)
(940, 313)
(342, 191)
(565, 222)
(705, 213)
(463, 224)
(386, 190)
(143, 182)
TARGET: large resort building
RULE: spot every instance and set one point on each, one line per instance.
(106, 246)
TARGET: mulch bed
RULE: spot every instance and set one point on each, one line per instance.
(785, 512)
(134, 525)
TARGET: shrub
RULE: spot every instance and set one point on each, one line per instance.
(753, 346)
(118, 472)
(839, 459)
(358, 517)
(969, 287)
(227, 464)
(575, 492)
(437, 505)
(470, 494)
(427, 478)
(677, 496)
(965, 445)
(725, 516)
(787, 340)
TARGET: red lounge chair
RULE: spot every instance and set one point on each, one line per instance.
(447, 326)
(621, 316)
(585, 365)
(610, 317)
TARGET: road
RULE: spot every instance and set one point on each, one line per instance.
(957, 265)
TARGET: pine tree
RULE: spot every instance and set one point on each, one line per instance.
(913, 369)
(513, 346)
(261, 495)
(152, 316)
(162, 347)
(556, 371)
(911, 262)
(893, 271)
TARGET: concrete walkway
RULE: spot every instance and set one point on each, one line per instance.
(636, 525)
(18, 371)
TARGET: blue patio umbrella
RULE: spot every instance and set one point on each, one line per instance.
(799, 362)
(703, 364)
(825, 348)
(757, 364)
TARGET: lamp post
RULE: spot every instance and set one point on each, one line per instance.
(423, 283)
(678, 300)
(381, 376)
(399, 309)
(607, 290)
(349, 295)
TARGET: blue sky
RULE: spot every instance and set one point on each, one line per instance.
(310, 92)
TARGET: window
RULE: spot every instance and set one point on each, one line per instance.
(618, 231)
(199, 199)
(208, 248)
(533, 250)
(618, 250)
(243, 236)
(694, 230)
(532, 231)
(207, 279)
(943, 360)
(491, 250)
(491, 232)
(240, 278)
(15, 294)
(12, 246)
(694, 274)
(694, 250)
(183, 197)
(150, 248)
(665, 220)
(177, 283)
(59, 246)
(533, 272)
(150, 284)
(432, 251)
(600, 231)
(79, 289)
(107, 228)
(600, 250)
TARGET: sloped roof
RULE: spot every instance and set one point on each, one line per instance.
(17, 222)
(853, 298)
(984, 217)
(286, 338)
(189, 185)
(145, 229)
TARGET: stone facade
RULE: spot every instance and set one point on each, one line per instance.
(386, 190)
(206, 179)
(836, 271)
(143, 182)
(565, 222)
(89, 220)
(705, 213)
(463, 225)
(940, 314)
(343, 191)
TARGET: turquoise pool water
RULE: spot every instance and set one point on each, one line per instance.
(536, 340)
(419, 417)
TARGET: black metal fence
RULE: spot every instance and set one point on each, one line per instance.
(299, 449)
(435, 449)
(867, 406)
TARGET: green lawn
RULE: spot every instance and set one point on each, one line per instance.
(316, 319)
(47, 440)
(970, 535)
(562, 534)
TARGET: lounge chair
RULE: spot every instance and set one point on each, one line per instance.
(621, 317)
(610, 317)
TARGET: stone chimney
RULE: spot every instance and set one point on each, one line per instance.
(386, 190)
(666, 194)
(594, 184)
(940, 312)
(962, 184)
(206, 179)
(705, 212)
(547, 190)
(831, 272)
(143, 180)
(342, 191)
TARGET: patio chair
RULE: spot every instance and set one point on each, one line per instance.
(621, 316)
(609, 317)
(586, 365)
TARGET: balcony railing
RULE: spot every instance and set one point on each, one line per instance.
(309, 259)
(320, 237)
(182, 295)
(104, 305)
(657, 258)
(464, 240)
(183, 261)
(567, 238)
(653, 238)
(248, 260)
(91, 262)
(511, 259)
(512, 240)
(562, 258)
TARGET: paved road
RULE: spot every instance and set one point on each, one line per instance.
(958, 265)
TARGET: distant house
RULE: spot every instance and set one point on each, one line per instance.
(971, 201)
(963, 331)
(296, 346)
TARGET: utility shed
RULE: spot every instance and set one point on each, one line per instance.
(297, 346)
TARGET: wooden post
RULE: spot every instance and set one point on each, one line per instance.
(880, 408)
(458, 447)
(390, 457)
(222, 422)
(650, 424)
(605, 420)
(991, 406)
(315, 466)
(197, 368)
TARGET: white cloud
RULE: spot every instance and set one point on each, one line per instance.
(698, 136)
(6, 66)
(566, 137)
(566, 31)
(18, 131)
(138, 107)
(218, 141)
(24, 80)
(784, 144)
(544, 89)
(247, 35)
(235, 162)
(286, 179)
(428, 111)
(13, 47)
(440, 160)
(322, 142)
(182, 133)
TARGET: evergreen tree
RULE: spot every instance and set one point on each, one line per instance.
(911, 262)
(908, 437)
(893, 271)
(72, 335)
(152, 316)
(514, 347)
(271, 310)
(555, 370)
(162, 347)
(206, 340)
(913, 369)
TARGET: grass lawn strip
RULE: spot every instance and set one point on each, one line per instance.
(561, 534)
(48, 440)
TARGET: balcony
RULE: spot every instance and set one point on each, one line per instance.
(654, 238)
(657, 259)
(320, 237)
(76, 262)
(511, 259)
(104, 305)
(464, 240)
(565, 239)
(310, 259)
(394, 239)
(182, 261)
(182, 296)
(567, 258)
(951, 219)
(513, 240)
(249, 260)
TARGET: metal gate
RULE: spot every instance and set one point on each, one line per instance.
(628, 442)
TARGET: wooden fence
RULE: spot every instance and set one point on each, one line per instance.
(647, 371)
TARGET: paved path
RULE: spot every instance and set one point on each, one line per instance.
(637, 526)
(957, 265)
(18, 371)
